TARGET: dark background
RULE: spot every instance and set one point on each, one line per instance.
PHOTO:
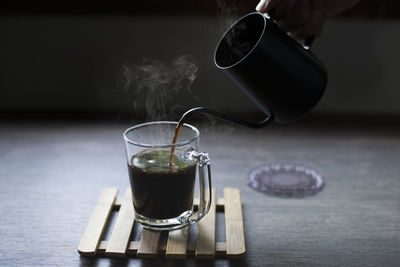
(62, 116)
(57, 58)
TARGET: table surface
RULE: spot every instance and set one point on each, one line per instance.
(51, 175)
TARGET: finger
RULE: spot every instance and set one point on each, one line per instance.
(284, 11)
(296, 21)
(268, 6)
(261, 6)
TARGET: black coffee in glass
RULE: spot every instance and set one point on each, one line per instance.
(158, 191)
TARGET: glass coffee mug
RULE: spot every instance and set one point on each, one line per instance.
(162, 194)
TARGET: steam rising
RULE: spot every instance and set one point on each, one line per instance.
(157, 90)
(228, 12)
(153, 86)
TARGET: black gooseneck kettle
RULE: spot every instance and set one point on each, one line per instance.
(282, 77)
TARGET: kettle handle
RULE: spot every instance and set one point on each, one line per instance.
(306, 44)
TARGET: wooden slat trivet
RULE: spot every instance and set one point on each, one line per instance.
(177, 245)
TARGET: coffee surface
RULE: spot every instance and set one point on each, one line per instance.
(159, 191)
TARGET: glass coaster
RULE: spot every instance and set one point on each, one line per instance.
(285, 179)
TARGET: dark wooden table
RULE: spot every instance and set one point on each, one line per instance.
(51, 175)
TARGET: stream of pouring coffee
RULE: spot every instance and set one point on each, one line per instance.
(175, 139)
(212, 112)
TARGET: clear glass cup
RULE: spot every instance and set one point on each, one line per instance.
(163, 195)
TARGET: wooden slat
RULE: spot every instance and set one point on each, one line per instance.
(177, 243)
(118, 202)
(102, 247)
(94, 230)
(205, 247)
(220, 248)
(148, 244)
(235, 243)
(219, 203)
(133, 247)
(123, 227)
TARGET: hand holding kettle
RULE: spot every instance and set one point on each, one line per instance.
(303, 18)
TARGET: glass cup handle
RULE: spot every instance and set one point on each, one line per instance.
(203, 162)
